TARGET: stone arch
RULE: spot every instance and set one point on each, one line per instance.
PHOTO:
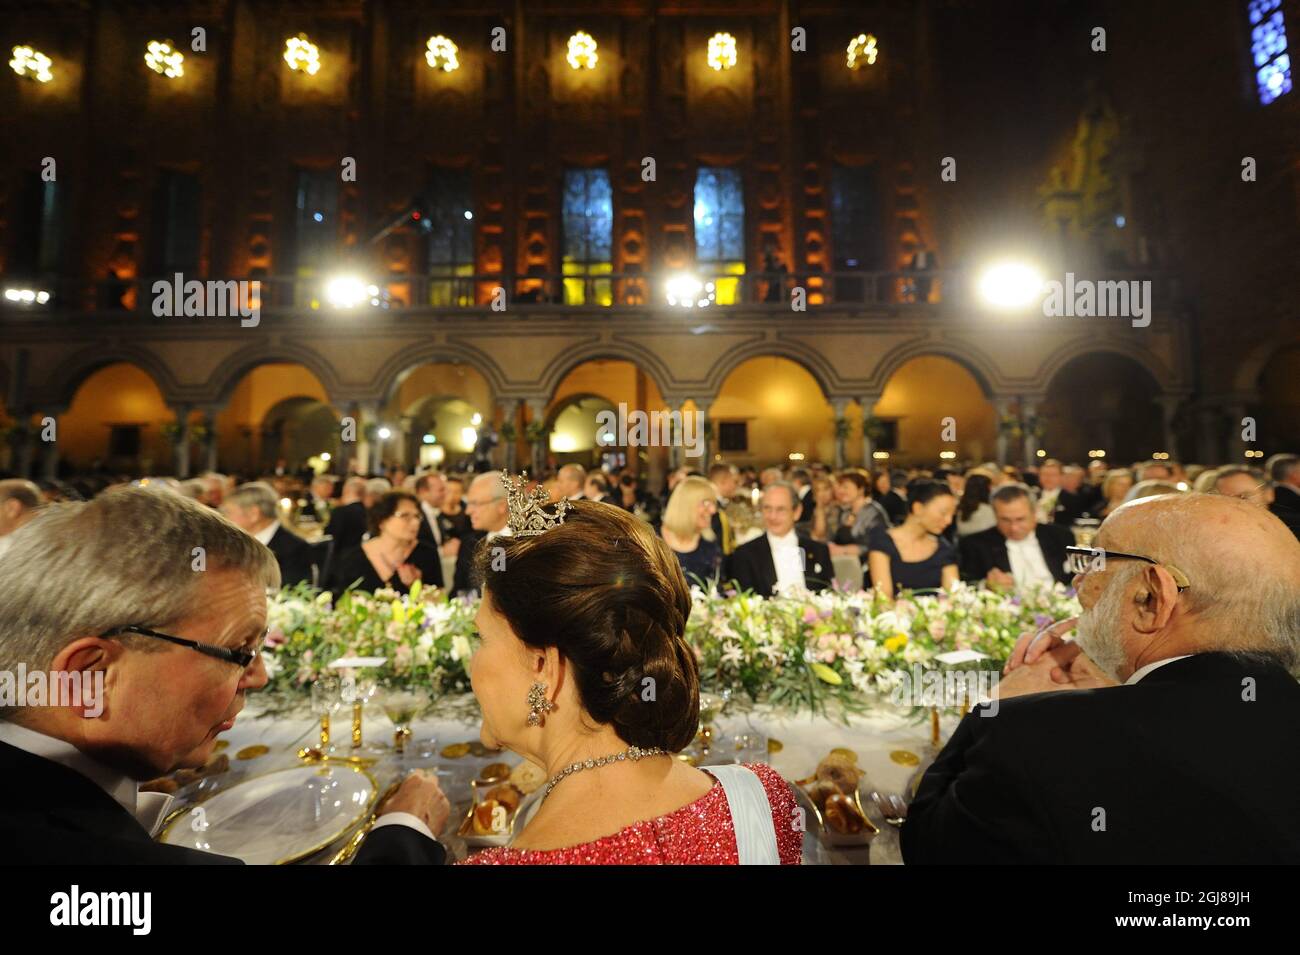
(73, 371)
(1246, 381)
(1067, 353)
(404, 361)
(982, 368)
(563, 364)
(226, 377)
(809, 359)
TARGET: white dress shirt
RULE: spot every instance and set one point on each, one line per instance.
(267, 532)
(1028, 566)
(1046, 509)
(148, 809)
(788, 558)
(1139, 674)
(431, 515)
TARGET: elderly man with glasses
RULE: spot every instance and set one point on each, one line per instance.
(157, 606)
(1162, 733)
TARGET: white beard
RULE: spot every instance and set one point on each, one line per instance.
(1098, 632)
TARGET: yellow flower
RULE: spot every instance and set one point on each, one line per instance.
(399, 612)
(896, 642)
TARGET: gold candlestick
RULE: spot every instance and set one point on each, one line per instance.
(324, 730)
(934, 726)
(356, 725)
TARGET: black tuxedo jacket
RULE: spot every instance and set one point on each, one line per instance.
(752, 568)
(426, 531)
(464, 578)
(981, 552)
(348, 524)
(293, 554)
(1192, 765)
(895, 506)
(52, 815)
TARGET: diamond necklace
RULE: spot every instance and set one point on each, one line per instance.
(633, 753)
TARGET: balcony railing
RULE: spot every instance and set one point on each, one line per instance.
(696, 290)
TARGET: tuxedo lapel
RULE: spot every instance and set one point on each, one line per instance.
(767, 569)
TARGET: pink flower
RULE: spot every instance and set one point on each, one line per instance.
(809, 615)
(275, 638)
(827, 656)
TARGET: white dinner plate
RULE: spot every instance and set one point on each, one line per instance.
(281, 817)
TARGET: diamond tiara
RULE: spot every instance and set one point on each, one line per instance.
(527, 515)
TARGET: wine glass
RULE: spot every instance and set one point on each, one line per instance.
(326, 700)
(402, 703)
(711, 707)
(360, 690)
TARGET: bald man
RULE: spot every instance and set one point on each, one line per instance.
(570, 482)
(487, 503)
(1164, 732)
(20, 500)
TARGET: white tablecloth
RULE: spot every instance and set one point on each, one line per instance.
(804, 741)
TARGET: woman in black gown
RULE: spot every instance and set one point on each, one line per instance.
(914, 555)
(392, 556)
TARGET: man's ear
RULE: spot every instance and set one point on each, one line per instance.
(1154, 600)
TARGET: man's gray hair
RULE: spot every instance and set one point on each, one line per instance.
(256, 494)
(789, 489)
(193, 489)
(1282, 465)
(378, 487)
(1012, 492)
(130, 556)
(492, 480)
(23, 491)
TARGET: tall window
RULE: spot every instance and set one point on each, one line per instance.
(1268, 49)
(38, 227)
(720, 229)
(857, 227)
(588, 236)
(316, 206)
(449, 222)
(176, 223)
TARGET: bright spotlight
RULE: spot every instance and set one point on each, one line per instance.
(325, 456)
(689, 292)
(468, 437)
(346, 291)
(476, 420)
(1010, 285)
(385, 434)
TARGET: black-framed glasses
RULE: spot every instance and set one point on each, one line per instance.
(1081, 560)
(241, 658)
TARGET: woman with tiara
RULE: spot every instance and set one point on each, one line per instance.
(584, 669)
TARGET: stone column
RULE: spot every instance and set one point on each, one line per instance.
(181, 441)
(702, 463)
(839, 406)
(1028, 415)
(1002, 409)
(24, 439)
(47, 433)
(211, 446)
(537, 414)
(1208, 449)
(510, 416)
(868, 404)
(1236, 410)
(1169, 405)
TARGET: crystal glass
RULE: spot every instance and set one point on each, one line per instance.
(326, 700)
(711, 707)
(402, 703)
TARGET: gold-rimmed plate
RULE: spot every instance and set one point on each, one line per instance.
(280, 817)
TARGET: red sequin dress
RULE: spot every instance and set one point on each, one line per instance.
(700, 833)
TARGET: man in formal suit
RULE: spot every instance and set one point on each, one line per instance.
(348, 522)
(802, 482)
(1018, 551)
(253, 508)
(20, 501)
(894, 501)
(435, 530)
(153, 661)
(570, 482)
(489, 515)
(1285, 471)
(1075, 499)
(782, 561)
(725, 480)
(1169, 710)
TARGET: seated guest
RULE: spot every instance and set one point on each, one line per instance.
(20, 501)
(1114, 488)
(782, 561)
(891, 493)
(1252, 486)
(393, 556)
(348, 521)
(1150, 488)
(488, 513)
(453, 508)
(1154, 471)
(853, 515)
(107, 588)
(726, 484)
(629, 496)
(822, 496)
(1285, 472)
(577, 622)
(320, 496)
(253, 508)
(1076, 497)
(1171, 699)
(1020, 550)
(569, 481)
(974, 512)
(1056, 504)
(802, 482)
(914, 555)
(687, 529)
(597, 489)
(375, 489)
(435, 529)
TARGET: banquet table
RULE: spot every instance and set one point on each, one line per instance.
(892, 746)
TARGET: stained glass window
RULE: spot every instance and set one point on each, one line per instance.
(1272, 62)
(588, 223)
(720, 229)
(449, 226)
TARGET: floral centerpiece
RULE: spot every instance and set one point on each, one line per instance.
(836, 651)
